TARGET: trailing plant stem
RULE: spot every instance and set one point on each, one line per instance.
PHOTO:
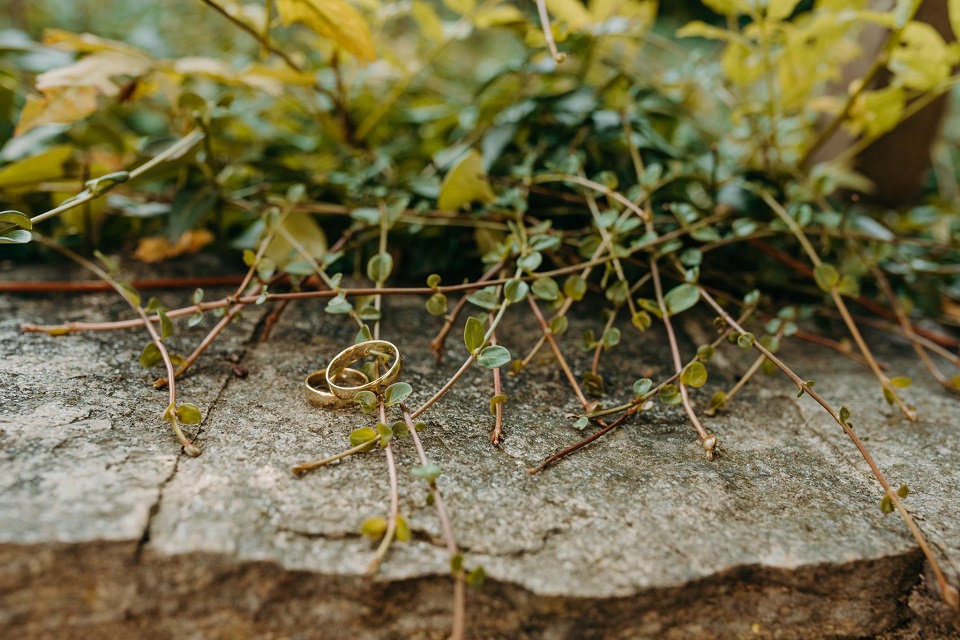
(814, 257)
(949, 593)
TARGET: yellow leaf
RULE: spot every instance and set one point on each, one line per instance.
(306, 232)
(465, 183)
(460, 6)
(427, 19)
(334, 19)
(644, 11)
(70, 93)
(498, 16)
(728, 7)
(922, 60)
(879, 111)
(698, 29)
(45, 166)
(953, 8)
(61, 107)
(781, 9)
(159, 248)
(96, 70)
(570, 11)
(85, 42)
(741, 64)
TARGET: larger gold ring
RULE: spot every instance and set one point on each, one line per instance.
(316, 389)
(348, 356)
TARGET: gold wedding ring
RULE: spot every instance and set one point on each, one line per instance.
(379, 348)
(316, 389)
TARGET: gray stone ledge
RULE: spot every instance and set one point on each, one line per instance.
(107, 531)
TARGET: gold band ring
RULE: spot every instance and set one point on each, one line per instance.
(348, 356)
(316, 390)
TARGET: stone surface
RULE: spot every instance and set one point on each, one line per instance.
(107, 530)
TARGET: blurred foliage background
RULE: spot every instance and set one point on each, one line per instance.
(690, 109)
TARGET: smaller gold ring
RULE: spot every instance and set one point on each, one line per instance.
(358, 352)
(315, 387)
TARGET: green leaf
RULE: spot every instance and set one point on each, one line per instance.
(466, 182)
(705, 352)
(150, 356)
(745, 340)
(901, 382)
(437, 305)
(367, 401)
(362, 435)
(433, 280)
(396, 393)
(903, 491)
(531, 261)
(886, 505)
(544, 242)
(516, 290)
(374, 527)
(16, 236)
(476, 577)
(428, 472)
(166, 326)
(195, 319)
(558, 325)
(339, 305)
(402, 531)
(670, 394)
(386, 434)
(17, 219)
(298, 268)
(197, 295)
(611, 338)
(546, 289)
(617, 292)
(681, 298)
(363, 335)
(495, 401)
(718, 401)
(642, 320)
(826, 276)
(189, 414)
(485, 298)
(473, 334)
(642, 386)
(379, 267)
(494, 357)
(691, 257)
(456, 563)
(651, 306)
(844, 413)
(694, 375)
(581, 423)
(575, 288)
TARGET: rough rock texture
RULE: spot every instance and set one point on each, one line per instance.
(108, 531)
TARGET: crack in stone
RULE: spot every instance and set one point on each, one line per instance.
(155, 507)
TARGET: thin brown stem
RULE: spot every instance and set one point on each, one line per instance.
(545, 328)
(497, 434)
(579, 445)
(838, 302)
(391, 531)
(459, 588)
(707, 441)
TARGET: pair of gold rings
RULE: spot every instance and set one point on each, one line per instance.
(338, 384)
